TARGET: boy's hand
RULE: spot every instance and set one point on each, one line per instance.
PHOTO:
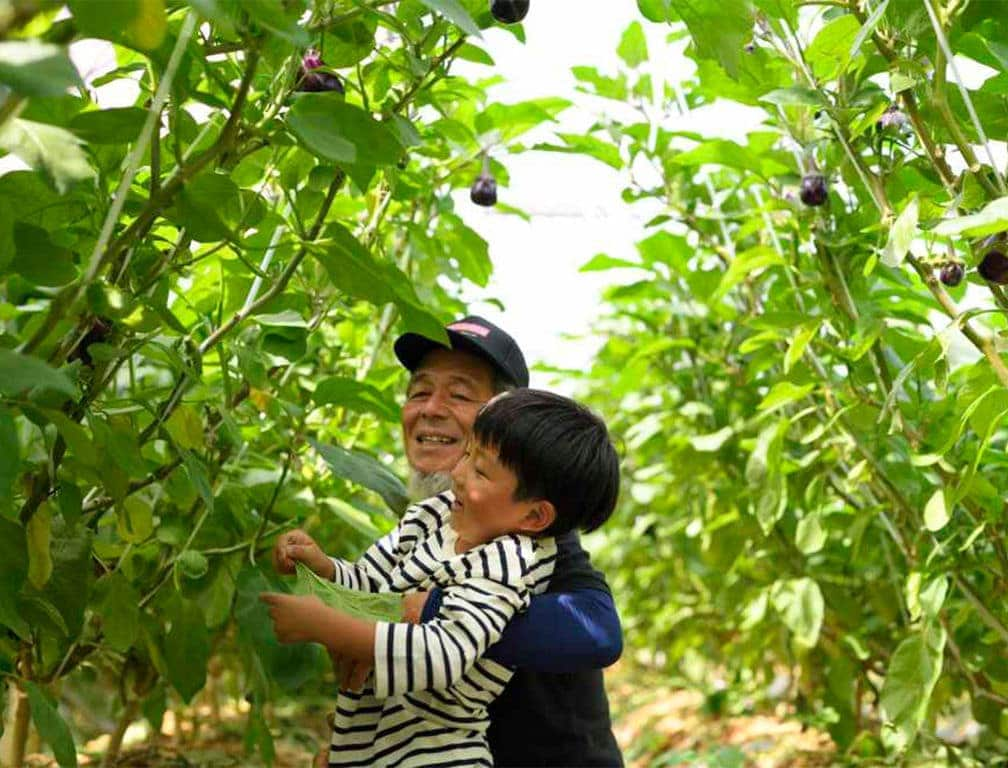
(413, 605)
(298, 546)
(296, 618)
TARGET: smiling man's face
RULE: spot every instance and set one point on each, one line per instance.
(444, 395)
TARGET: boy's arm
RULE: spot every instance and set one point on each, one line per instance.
(560, 632)
(306, 619)
(432, 656)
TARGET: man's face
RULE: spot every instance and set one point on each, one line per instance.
(444, 395)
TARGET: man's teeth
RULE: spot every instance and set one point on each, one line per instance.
(435, 439)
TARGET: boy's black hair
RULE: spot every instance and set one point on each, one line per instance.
(558, 450)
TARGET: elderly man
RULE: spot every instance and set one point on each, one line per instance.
(554, 711)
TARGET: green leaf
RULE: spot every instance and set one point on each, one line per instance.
(187, 650)
(365, 470)
(186, 428)
(763, 460)
(273, 16)
(10, 461)
(783, 393)
(13, 572)
(711, 443)
(720, 29)
(134, 520)
(137, 23)
(795, 96)
(120, 612)
(114, 125)
(601, 262)
(510, 121)
(75, 436)
(196, 469)
(936, 514)
(39, 260)
(343, 133)
(67, 591)
(356, 395)
(38, 534)
(991, 220)
(745, 264)
(655, 10)
(49, 148)
(588, 146)
(867, 28)
(456, 14)
(914, 669)
(810, 536)
(209, 207)
(925, 600)
(20, 373)
(901, 234)
(33, 68)
(799, 343)
(633, 46)
(830, 50)
(51, 726)
(800, 605)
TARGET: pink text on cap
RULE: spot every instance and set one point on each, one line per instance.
(479, 330)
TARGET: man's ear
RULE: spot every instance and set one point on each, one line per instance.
(541, 515)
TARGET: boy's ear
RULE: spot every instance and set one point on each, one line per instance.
(541, 515)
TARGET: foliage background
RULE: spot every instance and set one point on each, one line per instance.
(197, 302)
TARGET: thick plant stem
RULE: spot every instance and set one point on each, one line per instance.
(115, 742)
(16, 728)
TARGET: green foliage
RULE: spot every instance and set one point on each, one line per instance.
(813, 424)
(197, 292)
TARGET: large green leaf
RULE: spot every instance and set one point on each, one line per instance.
(51, 726)
(10, 459)
(455, 13)
(357, 396)
(13, 572)
(365, 470)
(49, 148)
(20, 373)
(187, 650)
(120, 612)
(911, 677)
(633, 47)
(720, 29)
(117, 125)
(801, 607)
(138, 23)
(34, 68)
(343, 133)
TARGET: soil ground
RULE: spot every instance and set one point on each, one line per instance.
(657, 726)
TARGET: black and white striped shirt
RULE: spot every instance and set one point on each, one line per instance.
(426, 702)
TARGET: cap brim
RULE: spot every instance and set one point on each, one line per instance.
(411, 348)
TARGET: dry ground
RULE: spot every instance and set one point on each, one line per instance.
(657, 726)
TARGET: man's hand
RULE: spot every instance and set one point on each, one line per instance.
(296, 618)
(413, 605)
(298, 546)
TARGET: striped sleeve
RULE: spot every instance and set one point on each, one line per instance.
(435, 655)
(372, 572)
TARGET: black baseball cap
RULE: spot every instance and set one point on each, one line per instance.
(475, 335)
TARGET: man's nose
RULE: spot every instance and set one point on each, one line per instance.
(435, 405)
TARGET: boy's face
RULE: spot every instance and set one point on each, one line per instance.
(484, 505)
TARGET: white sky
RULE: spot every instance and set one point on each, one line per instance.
(574, 202)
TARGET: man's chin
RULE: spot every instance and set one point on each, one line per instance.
(423, 485)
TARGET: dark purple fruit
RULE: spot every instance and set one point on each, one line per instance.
(814, 191)
(509, 11)
(316, 82)
(994, 267)
(951, 274)
(484, 191)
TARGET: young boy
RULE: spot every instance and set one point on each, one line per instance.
(538, 465)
